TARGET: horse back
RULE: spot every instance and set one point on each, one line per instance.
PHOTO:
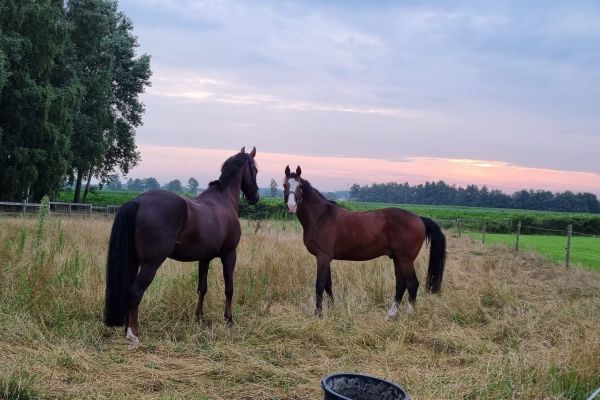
(366, 235)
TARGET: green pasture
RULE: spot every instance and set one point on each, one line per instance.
(585, 251)
(454, 212)
(499, 220)
(102, 197)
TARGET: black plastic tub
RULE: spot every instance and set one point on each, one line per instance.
(348, 386)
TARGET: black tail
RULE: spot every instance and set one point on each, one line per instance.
(437, 255)
(119, 264)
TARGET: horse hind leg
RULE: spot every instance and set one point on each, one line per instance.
(202, 288)
(412, 283)
(136, 292)
(400, 289)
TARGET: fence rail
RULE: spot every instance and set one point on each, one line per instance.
(56, 207)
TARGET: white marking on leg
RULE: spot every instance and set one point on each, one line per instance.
(131, 337)
(393, 311)
(409, 308)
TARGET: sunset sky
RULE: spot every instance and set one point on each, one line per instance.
(499, 93)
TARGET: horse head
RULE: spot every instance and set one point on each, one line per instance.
(249, 185)
(292, 189)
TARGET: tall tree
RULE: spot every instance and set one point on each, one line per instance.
(36, 98)
(151, 184)
(114, 182)
(174, 186)
(111, 80)
(193, 185)
(273, 188)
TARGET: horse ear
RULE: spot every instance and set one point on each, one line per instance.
(243, 150)
(298, 171)
(253, 152)
(287, 171)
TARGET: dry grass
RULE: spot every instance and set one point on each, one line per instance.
(505, 326)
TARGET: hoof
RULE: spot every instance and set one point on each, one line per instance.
(133, 340)
(409, 308)
(229, 322)
(392, 312)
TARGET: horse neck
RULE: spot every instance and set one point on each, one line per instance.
(311, 209)
(234, 187)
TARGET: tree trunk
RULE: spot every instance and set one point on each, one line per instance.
(87, 186)
(77, 196)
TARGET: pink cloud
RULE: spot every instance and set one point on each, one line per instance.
(330, 173)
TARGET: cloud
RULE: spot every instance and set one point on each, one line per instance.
(512, 81)
(196, 87)
(330, 173)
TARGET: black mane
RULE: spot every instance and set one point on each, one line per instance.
(230, 167)
(308, 189)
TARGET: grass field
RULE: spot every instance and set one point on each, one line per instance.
(585, 251)
(500, 220)
(505, 326)
(453, 212)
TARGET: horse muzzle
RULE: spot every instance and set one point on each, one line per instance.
(252, 200)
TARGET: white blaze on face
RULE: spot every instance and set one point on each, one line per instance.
(291, 203)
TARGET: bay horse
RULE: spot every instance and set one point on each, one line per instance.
(334, 233)
(160, 224)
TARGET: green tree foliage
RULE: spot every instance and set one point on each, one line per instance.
(69, 94)
(111, 79)
(174, 186)
(193, 185)
(37, 96)
(151, 184)
(114, 182)
(135, 184)
(440, 193)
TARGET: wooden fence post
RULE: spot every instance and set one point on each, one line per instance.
(484, 229)
(569, 233)
(518, 235)
(458, 226)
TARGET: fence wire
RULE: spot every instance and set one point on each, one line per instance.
(574, 250)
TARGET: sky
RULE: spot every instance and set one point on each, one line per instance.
(503, 93)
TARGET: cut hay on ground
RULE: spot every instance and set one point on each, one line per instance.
(505, 326)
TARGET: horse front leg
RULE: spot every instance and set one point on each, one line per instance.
(323, 271)
(228, 267)
(203, 266)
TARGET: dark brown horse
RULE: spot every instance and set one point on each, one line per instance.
(333, 233)
(160, 224)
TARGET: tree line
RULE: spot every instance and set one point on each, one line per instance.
(440, 193)
(145, 184)
(70, 81)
